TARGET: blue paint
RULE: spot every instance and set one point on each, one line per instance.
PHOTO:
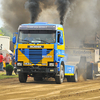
(26, 52)
(41, 23)
(60, 60)
(16, 52)
(69, 69)
(16, 55)
(30, 24)
(61, 52)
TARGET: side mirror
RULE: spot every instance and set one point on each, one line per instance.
(14, 40)
(61, 40)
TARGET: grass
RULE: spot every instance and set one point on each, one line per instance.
(4, 76)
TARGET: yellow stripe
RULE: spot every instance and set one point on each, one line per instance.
(61, 47)
(46, 46)
(60, 28)
(67, 74)
(61, 56)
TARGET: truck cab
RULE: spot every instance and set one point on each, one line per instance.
(40, 51)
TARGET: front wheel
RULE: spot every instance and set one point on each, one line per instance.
(59, 79)
(22, 77)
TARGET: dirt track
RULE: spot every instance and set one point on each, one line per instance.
(12, 89)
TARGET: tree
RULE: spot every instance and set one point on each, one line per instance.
(5, 32)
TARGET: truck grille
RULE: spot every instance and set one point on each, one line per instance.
(35, 55)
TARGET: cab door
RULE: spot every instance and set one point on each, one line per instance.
(60, 44)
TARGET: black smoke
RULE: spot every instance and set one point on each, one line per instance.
(62, 7)
(35, 7)
(15, 13)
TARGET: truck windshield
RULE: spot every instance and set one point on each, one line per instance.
(37, 36)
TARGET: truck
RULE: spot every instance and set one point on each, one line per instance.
(40, 52)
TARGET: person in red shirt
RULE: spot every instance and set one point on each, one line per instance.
(7, 59)
(1, 62)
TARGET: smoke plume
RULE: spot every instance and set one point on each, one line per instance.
(35, 7)
(14, 13)
(80, 17)
(82, 23)
(62, 7)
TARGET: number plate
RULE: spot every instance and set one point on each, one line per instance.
(51, 70)
(18, 70)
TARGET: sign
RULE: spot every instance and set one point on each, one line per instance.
(37, 27)
(92, 55)
(35, 46)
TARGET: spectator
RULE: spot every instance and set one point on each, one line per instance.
(1, 62)
(7, 59)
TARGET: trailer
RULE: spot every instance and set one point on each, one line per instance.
(5, 46)
(92, 64)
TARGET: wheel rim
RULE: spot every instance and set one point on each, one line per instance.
(62, 73)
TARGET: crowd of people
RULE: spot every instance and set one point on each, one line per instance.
(7, 59)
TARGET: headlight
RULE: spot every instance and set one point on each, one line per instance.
(19, 64)
(52, 64)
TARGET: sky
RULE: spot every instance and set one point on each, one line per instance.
(1, 22)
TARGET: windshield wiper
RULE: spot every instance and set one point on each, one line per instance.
(27, 41)
(42, 40)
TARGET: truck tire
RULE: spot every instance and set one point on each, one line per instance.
(90, 71)
(38, 79)
(22, 77)
(73, 78)
(82, 69)
(59, 79)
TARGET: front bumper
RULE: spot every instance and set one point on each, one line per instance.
(38, 70)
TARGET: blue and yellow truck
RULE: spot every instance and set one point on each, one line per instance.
(40, 53)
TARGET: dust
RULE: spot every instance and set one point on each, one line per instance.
(81, 78)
